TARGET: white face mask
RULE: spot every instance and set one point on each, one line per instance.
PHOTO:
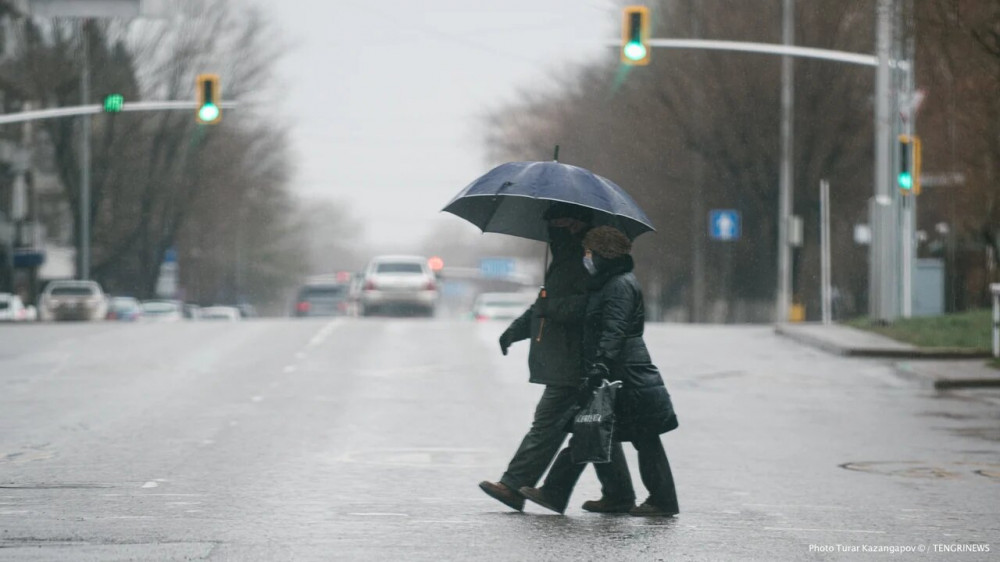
(588, 264)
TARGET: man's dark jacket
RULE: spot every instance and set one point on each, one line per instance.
(556, 356)
(612, 335)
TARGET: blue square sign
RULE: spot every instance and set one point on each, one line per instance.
(724, 224)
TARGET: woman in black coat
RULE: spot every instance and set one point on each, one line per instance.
(614, 349)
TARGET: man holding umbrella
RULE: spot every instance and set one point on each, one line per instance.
(554, 325)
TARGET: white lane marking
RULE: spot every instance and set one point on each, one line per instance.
(825, 530)
(794, 506)
(13, 512)
(150, 485)
(290, 369)
(447, 521)
(156, 495)
(256, 398)
(323, 333)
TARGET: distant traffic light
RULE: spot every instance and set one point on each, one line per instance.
(113, 103)
(908, 179)
(635, 36)
(209, 98)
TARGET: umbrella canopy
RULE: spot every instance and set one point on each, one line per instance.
(511, 198)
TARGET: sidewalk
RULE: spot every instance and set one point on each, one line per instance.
(943, 367)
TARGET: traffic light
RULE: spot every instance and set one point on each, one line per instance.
(209, 97)
(635, 36)
(908, 179)
(113, 103)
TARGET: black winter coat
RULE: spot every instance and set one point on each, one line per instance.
(612, 335)
(556, 358)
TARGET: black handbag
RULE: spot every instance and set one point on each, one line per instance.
(594, 424)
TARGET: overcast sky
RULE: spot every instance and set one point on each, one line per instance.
(387, 97)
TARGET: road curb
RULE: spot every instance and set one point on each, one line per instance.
(932, 377)
(882, 352)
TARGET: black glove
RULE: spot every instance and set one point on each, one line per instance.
(597, 373)
(505, 340)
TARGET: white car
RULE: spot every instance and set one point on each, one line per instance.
(73, 300)
(162, 311)
(398, 283)
(228, 313)
(502, 306)
(12, 309)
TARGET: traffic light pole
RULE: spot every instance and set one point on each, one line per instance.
(86, 110)
(76, 110)
(84, 258)
(883, 255)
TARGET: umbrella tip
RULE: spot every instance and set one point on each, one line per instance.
(555, 155)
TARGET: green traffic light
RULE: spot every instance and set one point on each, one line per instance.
(635, 50)
(905, 180)
(208, 112)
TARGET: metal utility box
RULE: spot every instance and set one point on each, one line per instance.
(928, 287)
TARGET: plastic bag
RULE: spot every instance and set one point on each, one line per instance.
(593, 426)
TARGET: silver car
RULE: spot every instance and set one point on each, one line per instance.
(73, 300)
(398, 284)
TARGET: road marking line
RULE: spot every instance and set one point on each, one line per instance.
(324, 332)
(150, 485)
(290, 369)
(447, 521)
(256, 399)
(824, 530)
(773, 505)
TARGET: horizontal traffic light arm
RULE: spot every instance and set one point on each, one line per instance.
(767, 48)
(99, 108)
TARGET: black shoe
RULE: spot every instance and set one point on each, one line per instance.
(606, 505)
(538, 496)
(503, 494)
(650, 510)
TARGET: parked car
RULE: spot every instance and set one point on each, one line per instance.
(73, 300)
(228, 313)
(12, 309)
(501, 306)
(329, 298)
(404, 283)
(162, 311)
(124, 308)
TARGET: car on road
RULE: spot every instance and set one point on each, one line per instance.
(227, 313)
(73, 300)
(323, 298)
(162, 311)
(12, 309)
(398, 283)
(501, 306)
(127, 309)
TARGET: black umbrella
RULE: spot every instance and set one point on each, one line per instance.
(511, 199)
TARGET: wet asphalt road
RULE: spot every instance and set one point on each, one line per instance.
(364, 439)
